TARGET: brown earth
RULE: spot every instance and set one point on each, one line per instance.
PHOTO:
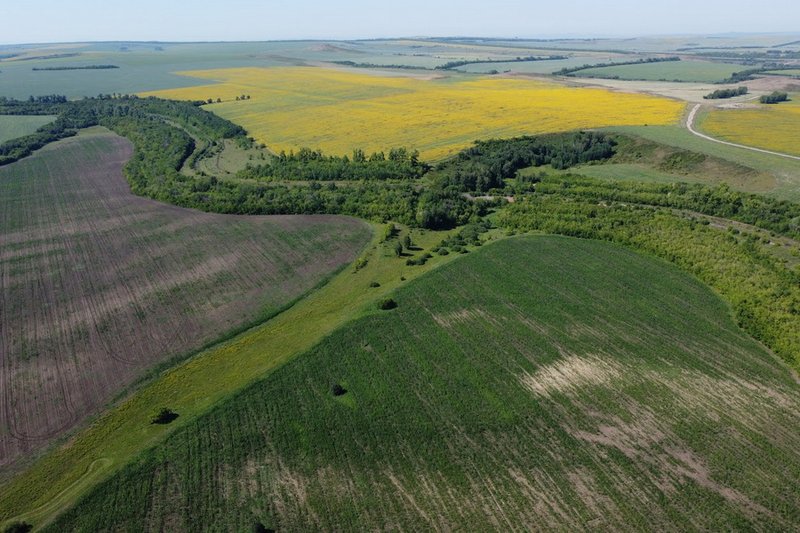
(98, 285)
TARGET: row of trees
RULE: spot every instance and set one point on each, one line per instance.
(726, 93)
(313, 165)
(774, 98)
(464, 62)
(487, 164)
(570, 71)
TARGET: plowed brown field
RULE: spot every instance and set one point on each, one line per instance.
(98, 285)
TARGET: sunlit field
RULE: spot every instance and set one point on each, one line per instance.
(772, 127)
(338, 111)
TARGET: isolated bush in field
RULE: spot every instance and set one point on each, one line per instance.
(443, 251)
(338, 390)
(386, 304)
(374, 285)
(407, 241)
(164, 416)
(398, 249)
(258, 527)
(774, 98)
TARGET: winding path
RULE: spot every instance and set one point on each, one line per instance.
(690, 126)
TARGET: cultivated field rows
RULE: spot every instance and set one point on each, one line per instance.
(539, 383)
(98, 285)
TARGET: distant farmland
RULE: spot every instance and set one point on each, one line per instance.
(12, 126)
(98, 284)
(772, 127)
(697, 71)
(538, 383)
(338, 111)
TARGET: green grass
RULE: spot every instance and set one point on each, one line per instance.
(788, 72)
(630, 172)
(696, 71)
(12, 126)
(785, 172)
(60, 477)
(540, 382)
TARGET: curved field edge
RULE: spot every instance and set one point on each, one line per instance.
(99, 285)
(785, 171)
(13, 126)
(768, 127)
(194, 386)
(544, 381)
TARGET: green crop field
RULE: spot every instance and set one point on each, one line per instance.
(698, 71)
(12, 127)
(541, 382)
(101, 285)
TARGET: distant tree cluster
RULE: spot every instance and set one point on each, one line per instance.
(81, 67)
(488, 164)
(726, 93)
(744, 75)
(313, 165)
(774, 98)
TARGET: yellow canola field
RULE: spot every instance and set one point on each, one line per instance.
(338, 111)
(771, 127)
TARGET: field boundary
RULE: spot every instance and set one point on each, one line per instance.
(690, 127)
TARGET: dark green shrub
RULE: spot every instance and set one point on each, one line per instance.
(386, 304)
(164, 416)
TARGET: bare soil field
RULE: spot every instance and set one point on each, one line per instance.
(98, 285)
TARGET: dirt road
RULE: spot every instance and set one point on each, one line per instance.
(690, 126)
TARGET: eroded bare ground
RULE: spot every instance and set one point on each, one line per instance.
(97, 285)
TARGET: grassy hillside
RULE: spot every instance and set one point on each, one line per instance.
(785, 171)
(99, 285)
(508, 391)
(12, 127)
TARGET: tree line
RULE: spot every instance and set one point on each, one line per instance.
(726, 93)
(569, 71)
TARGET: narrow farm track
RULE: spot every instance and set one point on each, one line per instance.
(690, 127)
(98, 285)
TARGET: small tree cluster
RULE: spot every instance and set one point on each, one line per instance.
(164, 416)
(774, 98)
(726, 93)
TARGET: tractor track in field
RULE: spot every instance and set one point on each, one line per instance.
(690, 127)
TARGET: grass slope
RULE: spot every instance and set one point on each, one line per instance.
(786, 172)
(12, 126)
(98, 285)
(540, 383)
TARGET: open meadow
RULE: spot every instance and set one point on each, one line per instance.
(12, 126)
(99, 285)
(771, 127)
(530, 385)
(338, 111)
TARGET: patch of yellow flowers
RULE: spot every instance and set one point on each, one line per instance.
(772, 127)
(338, 110)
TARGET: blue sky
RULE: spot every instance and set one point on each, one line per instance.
(181, 20)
